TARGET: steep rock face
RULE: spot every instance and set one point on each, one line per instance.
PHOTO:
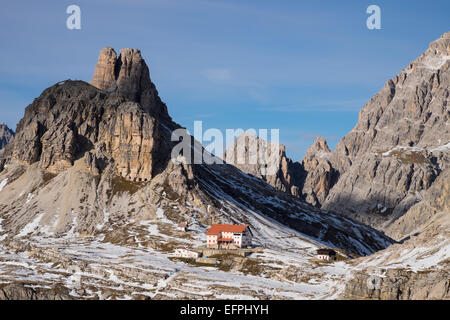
(130, 138)
(105, 71)
(310, 180)
(398, 148)
(6, 135)
(320, 175)
(429, 217)
(71, 118)
(417, 267)
(266, 160)
(399, 285)
(23, 291)
(410, 110)
(129, 75)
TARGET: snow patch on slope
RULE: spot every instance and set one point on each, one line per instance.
(31, 227)
(3, 184)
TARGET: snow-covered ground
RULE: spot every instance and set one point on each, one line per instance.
(285, 263)
(3, 184)
(131, 256)
(135, 271)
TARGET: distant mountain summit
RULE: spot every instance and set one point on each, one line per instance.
(309, 180)
(6, 135)
(254, 155)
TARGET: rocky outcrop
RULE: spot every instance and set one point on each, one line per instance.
(24, 291)
(121, 122)
(105, 71)
(129, 75)
(267, 161)
(399, 284)
(400, 144)
(310, 180)
(428, 218)
(399, 147)
(397, 150)
(6, 135)
(320, 175)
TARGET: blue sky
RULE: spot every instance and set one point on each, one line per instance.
(305, 67)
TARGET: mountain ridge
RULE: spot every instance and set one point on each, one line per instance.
(395, 152)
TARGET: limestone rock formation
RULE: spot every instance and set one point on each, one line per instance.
(70, 119)
(129, 75)
(320, 176)
(266, 160)
(400, 144)
(396, 151)
(310, 180)
(429, 217)
(88, 187)
(6, 135)
(105, 71)
(399, 285)
(22, 291)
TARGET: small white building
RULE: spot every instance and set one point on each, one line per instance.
(185, 253)
(228, 236)
(326, 254)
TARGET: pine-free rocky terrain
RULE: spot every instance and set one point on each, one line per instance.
(90, 199)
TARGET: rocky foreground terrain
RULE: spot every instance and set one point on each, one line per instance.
(90, 203)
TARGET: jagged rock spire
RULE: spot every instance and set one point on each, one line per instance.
(319, 145)
(6, 135)
(104, 77)
(130, 76)
(265, 160)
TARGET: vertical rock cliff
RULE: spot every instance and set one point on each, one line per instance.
(6, 135)
(399, 146)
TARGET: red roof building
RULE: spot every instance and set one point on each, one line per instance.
(228, 236)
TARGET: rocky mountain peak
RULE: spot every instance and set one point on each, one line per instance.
(93, 159)
(265, 160)
(399, 146)
(397, 150)
(6, 135)
(310, 180)
(319, 145)
(435, 57)
(442, 45)
(104, 75)
(128, 75)
(118, 122)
